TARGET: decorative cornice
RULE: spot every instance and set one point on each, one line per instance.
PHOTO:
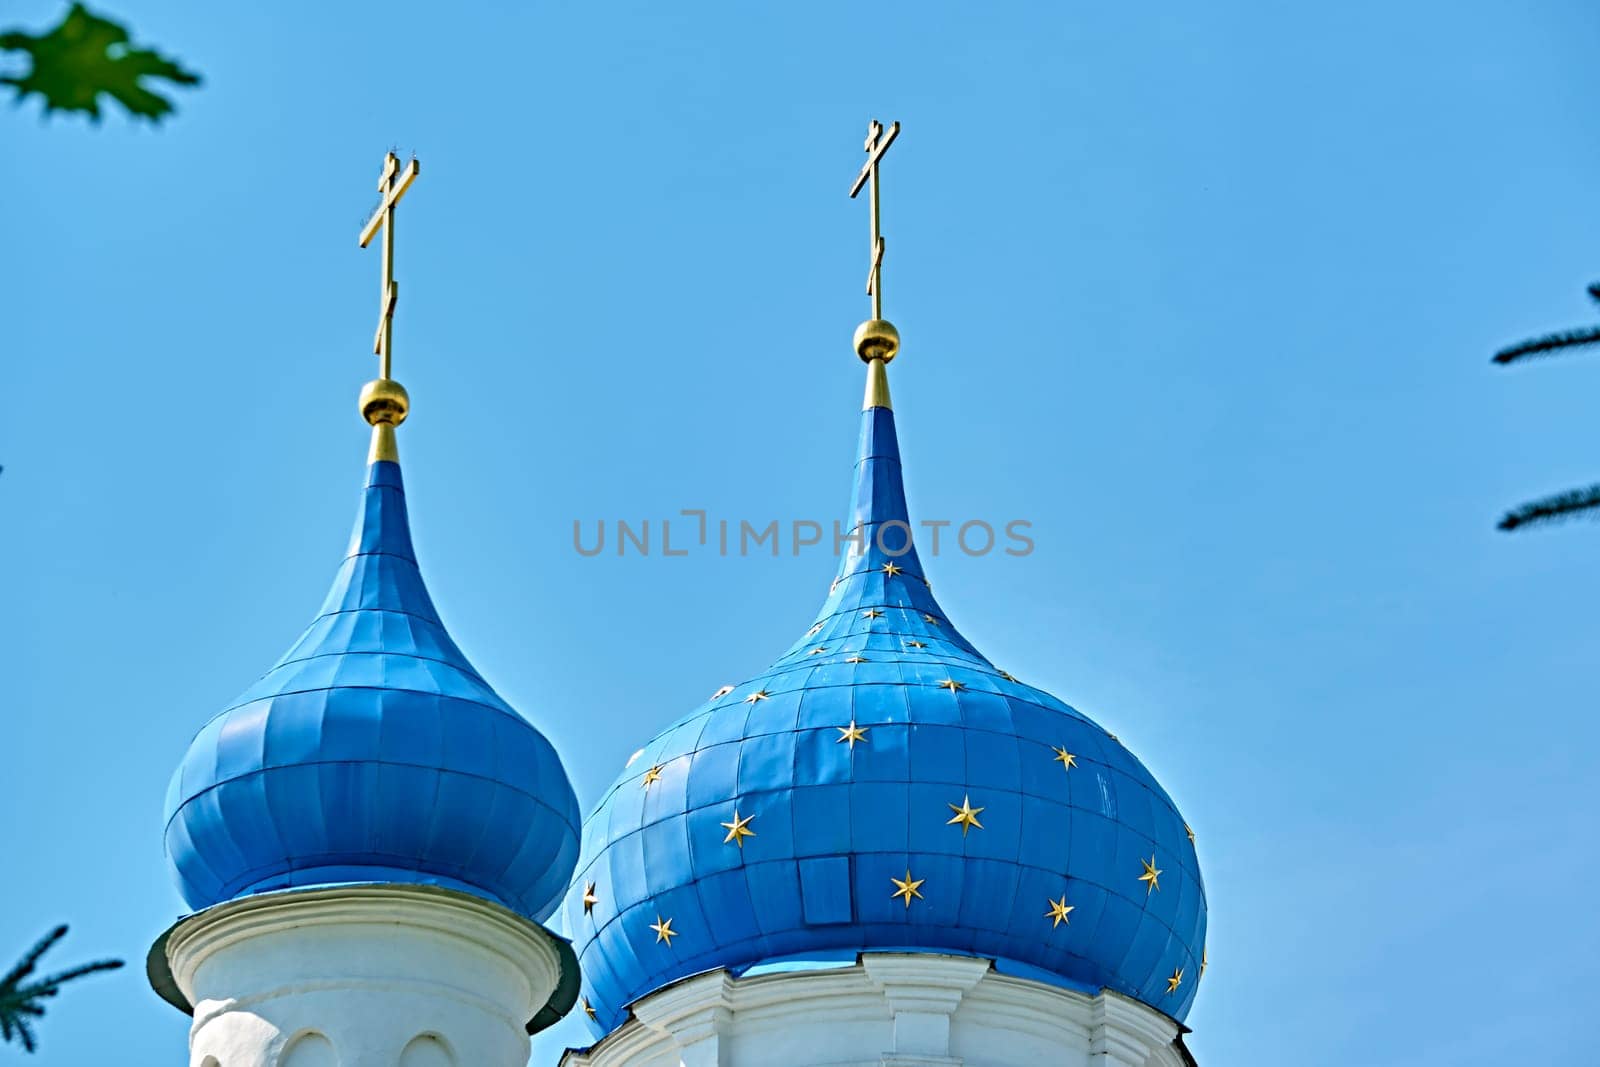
(909, 984)
(1127, 1030)
(526, 947)
(920, 1000)
(461, 916)
(691, 1010)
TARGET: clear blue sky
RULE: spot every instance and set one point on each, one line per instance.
(1208, 296)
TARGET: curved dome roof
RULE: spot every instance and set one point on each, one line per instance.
(373, 752)
(884, 786)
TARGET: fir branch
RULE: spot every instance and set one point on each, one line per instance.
(1554, 342)
(25, 966)
(1554, 508)
(19, 999)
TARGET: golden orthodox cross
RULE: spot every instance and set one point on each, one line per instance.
(878, 142)
(393, 185)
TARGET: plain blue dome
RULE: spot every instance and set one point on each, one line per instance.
(835, 823)
(373, 752)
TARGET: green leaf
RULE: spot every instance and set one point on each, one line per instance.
(87, 56)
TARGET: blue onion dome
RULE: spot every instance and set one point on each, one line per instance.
(884, 786)
(373, 751)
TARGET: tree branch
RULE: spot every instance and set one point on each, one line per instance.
(1553, 508)
(1549, 343)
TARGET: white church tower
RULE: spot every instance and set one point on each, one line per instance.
(884, 849)
(370, 836)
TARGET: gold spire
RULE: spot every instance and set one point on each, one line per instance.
(876, 340)
(384, 402)
(877, 394)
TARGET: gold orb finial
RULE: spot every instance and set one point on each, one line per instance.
(384, 402)
(877, 339)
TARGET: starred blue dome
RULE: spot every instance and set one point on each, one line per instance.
(373, 752)
(884, 786)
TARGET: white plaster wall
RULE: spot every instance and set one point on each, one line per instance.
(887, 1010)
(362, 976)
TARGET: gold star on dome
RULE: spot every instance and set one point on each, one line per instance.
(664, 930)
(833, 585)
(1175, 981)
(856, 659)
(852, 734)
(651, 776)
(915, 644)
(892, 569)
(1008, 676)
(819, 650)
(738, 829)
(588, 1009)
(759, 694)
(1151, 876)
(966, 816)
(1189, 831)
(952, 685)
(1066, 759)
(814, 630)
(928, 584)
(1203, 962)
(1114, 737)
(872, 613)
(1059, 910)
(590, 899)
(906, 887)
(720, 693)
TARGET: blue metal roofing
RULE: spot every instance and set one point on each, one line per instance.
(666, 886)
(373, 752)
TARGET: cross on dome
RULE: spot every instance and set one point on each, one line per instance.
(393, 184)
(384, 401)
(877, 144)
